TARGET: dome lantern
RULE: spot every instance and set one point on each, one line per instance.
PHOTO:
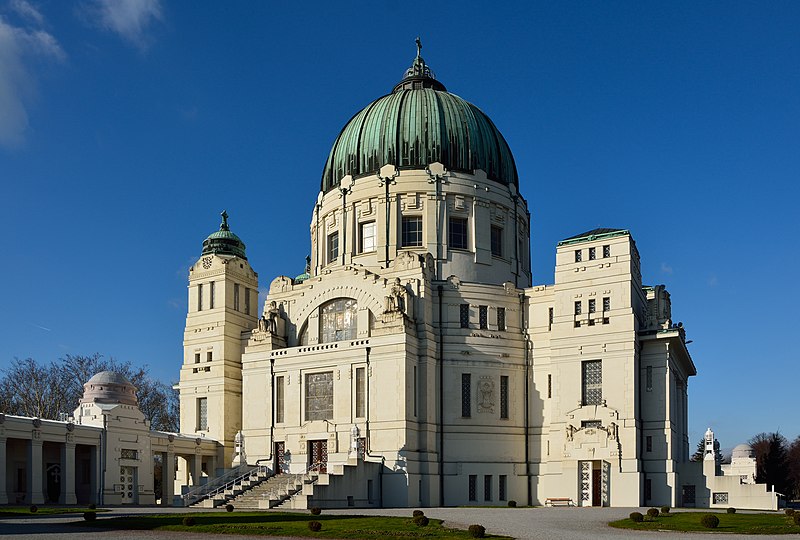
(223, 241)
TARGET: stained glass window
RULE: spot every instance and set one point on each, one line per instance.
(279, 399)
(319, 396)
(339, 320)
(361, 388)
(202, 414)
(592, 382)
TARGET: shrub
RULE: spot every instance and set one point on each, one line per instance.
(90, 516)
(421, 521)
(477, 531)
(789, 511)
(731, 510)
(314, 526)
(188, 521)
(665, 509)
(92, 506)
(34, 509)
(636, 517)
(709, 521)
(229, 508)
(416, 513)
(315, 510)
(796, 518)
(512, 504)
(652, 512)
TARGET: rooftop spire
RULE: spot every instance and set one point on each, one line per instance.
(419, 46)
(224, 225)
(419, 75)
(223, 241)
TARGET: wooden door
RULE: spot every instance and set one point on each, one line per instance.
(319, 455)
(596, 487)
(280, 458)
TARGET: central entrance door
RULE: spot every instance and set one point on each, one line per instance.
(280, 457)
(596, 487)
(318, 457)
(127, 477)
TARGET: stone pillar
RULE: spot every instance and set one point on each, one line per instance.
(4, 486)
(68, 472)
(35, 494)
(197, 468)
(167, 478)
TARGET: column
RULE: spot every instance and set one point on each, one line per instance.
(35, 478)
(3, 470)
(167, 478)
(197, 468)
(68, 472)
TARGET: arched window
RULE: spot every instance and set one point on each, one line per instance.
(338, 320)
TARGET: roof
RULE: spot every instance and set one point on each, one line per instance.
(109, 377)
(223, 241)
(417, 124)
(594, 234)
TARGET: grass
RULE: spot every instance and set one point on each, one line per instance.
(284, 524)
(728, 523)
(11, 511)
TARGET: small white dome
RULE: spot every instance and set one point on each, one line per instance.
(109, 387)
(742, 451)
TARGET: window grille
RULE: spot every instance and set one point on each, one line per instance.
(464, 315)
(501, 487)
(606, 251)
(202, 414)
(606, 304)
(504, 396)
(487, 487)
(721, 497)
(501, 318)
(578, 255)
(483, 317)
(466, 393)
(592, 382)
(592, 253)
(592, 305)
(128, 453)
(578, 307)
(473, 487)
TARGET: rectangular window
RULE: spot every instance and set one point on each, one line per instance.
(497, 241)
(578, 255)
(319, 396)
(549, 319)
(200, 297)
(592, 382)
(211, 288)
(280, 399)
(196, 358)
(606, 303)
(415, 390)
(367, 237)
(209, 356)
(649, 443)
(247, 300)
(501, 488)
(202, 414)
(648, 489)
(457, 237)
(466, 395)
(333, 247)
(128, 453)
(236, 296)
(689, 494)
(501, 318)
(592, 253)
(487, 487)
(463, 315)
(606, 252)
(361, 387)
(504, 396)
(649, 379)
(549, 386)
(578, 307)
(483, 317)
(412, 231)
(592, 305)
(473, 487)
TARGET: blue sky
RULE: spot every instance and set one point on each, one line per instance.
(127, 126)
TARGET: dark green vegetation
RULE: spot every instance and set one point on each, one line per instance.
(728, 523)
(6, 511)
(285, 524)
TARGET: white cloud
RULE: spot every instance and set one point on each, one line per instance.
(27, 11)
(665, 268)
(19, 47)
(128, 18)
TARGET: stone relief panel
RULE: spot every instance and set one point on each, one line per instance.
(486, 394)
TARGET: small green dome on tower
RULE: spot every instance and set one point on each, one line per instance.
(223, 241)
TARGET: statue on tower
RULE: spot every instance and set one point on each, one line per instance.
(709, 445)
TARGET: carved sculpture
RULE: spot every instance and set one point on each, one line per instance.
(396, 299)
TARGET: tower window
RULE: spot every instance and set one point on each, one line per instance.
(196, 358)
(649, 378)
(549, 319)
(280, 399)
(200, 297)
(211, 295)
(606, 303)
(236, 296)
(501, 318)
(457, 237)
(549, 385)
(497, 241)
(592, 382)
(501, 488)
(487, 487)
(463, 315)
(649, 443)
(578, 255)
(504, 396)
(209, 356)
(606, 252)
(367, 237)
(361, 392)
(473, 487)
(592, 305)
(466, 395)
(202, 414)
(592, 253)
(319, 396)
(578, 307)
(333, 247)
(483, 317)
(412, 231)
(247, 300)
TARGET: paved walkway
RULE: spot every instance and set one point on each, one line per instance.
(522, 523)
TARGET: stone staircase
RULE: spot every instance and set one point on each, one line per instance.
(234, 489)
(277, 491)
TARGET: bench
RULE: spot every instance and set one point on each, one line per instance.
(558, 501)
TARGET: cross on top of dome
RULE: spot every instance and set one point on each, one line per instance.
(419, 75)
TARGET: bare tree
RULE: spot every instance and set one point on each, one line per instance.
(770, 450)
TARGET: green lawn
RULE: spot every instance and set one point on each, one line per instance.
(6, 511)
(284, 524)
(728, 523)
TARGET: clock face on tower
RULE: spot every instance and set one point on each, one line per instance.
(207, 262)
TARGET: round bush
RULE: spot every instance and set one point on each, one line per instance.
(416, 513)
(34, 509)
(731, 510)
(665, 509)
(89, 516)
(315, 510)
(188, 521)
(314, 526)
(421, 521)
(789, 511)
(477, 531)
(652, 512)
(636, 517)
(512, 504)
(709, 521)
(92, 506)
(796, 518)
(229, 508)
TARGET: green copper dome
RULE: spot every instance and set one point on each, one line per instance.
(223, 241)
(419, 123)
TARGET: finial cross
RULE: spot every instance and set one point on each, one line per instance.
(224, 225)
(419, 46)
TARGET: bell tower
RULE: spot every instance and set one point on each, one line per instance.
(223, 297)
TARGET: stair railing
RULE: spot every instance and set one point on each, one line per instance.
(293, 479)
(225, 482)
